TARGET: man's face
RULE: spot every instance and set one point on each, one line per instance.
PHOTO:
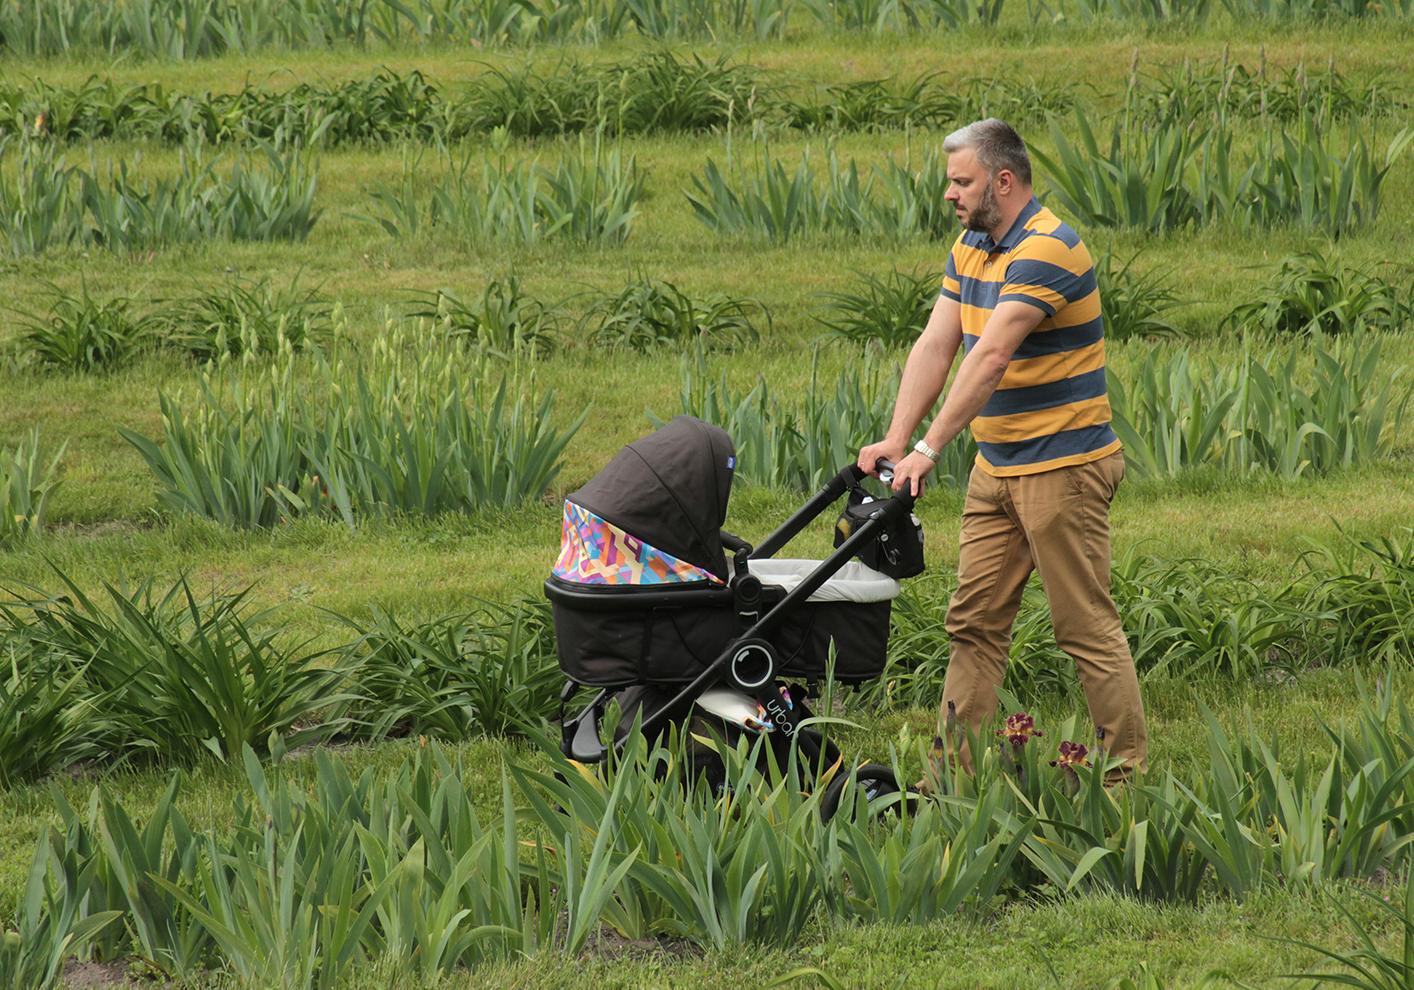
(970, 191)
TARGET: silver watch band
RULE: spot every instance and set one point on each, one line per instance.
(922, 447)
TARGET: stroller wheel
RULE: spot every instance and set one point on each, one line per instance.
(874, 779)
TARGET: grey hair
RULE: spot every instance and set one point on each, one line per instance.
(997, 145)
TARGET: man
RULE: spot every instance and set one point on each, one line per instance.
(1020, 297)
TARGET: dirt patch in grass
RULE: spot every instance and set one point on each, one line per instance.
(609, 945)
(113, 975)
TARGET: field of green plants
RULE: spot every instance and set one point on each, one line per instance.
(311, 311)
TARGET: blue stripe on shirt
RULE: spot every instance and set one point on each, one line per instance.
(1043, 342)
(1066, 443)
(976, 292)
(1007, 401)
(1068, 284)
(1039, 343)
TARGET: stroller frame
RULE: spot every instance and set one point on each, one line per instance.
(748, 661)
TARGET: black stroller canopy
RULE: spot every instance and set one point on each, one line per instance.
(670, 490)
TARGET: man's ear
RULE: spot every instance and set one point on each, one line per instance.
(1005, 181)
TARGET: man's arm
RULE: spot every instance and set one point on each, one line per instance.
(924, 375)
(981, 371)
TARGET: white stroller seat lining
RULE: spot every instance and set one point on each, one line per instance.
(854, 582)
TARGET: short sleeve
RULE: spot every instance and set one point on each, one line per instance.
(1047, 274)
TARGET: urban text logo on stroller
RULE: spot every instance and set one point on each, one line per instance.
(651, 612)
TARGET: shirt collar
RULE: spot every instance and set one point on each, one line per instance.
(1013, 236)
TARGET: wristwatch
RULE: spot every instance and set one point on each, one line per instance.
(921, 447)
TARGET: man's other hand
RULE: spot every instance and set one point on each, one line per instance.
(912, 471)
(886, 450)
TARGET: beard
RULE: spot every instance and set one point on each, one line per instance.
(987, 214)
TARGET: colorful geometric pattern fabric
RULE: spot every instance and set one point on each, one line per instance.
(595, 551)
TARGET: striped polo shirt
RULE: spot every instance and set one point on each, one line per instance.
(1051, 408)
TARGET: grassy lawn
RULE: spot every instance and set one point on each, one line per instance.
(1078, 940)
(106, 524)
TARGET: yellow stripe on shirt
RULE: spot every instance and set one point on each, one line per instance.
(1053, 367)
(1040, 423)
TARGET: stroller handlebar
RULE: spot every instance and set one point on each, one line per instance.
(884, 470)
(857, 473)
(848, 477)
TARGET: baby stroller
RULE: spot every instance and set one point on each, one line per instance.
(649, 609)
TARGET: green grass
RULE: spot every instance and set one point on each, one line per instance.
(104, 522)
(1087, 940)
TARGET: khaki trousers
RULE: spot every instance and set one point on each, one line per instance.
(1057, 522)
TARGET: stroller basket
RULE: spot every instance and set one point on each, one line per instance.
(848, 615)
(614, 638)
